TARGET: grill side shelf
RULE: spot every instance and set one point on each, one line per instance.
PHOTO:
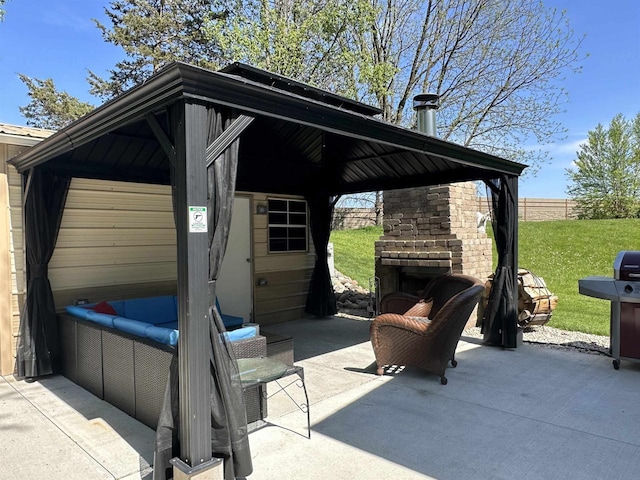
(599, 287)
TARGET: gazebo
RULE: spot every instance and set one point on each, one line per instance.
(207, 134)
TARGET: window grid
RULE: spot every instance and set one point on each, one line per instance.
(287, 225)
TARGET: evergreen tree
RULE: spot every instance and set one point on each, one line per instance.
(153, 33)
(50, 108)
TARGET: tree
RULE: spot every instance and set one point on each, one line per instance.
(494, 63)
(153, 33)
(50, 108)
(2, 12)
(605, 182)
(303, 39)
(313, 41)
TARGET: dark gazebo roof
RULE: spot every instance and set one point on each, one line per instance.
(301, 136)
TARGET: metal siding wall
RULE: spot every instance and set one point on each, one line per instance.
(287, 274)
(6, 337)
(118, 240)
(16, 252)
(114, 233)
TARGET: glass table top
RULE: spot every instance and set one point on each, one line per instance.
(260, 370)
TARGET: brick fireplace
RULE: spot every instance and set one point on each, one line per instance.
(430, 231)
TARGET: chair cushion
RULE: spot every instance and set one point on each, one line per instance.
(134, 327)
(420, 309)
(241, 333)
(419, 319)
(103, 319)
(229, 320)
(168, 336)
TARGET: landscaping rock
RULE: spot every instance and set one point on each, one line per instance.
(350, 297)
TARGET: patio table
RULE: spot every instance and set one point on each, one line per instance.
(261, 370)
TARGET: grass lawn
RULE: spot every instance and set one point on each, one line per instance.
(559, 251)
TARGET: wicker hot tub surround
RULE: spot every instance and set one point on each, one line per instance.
(131, 372)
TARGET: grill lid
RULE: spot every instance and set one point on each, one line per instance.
(627, 266)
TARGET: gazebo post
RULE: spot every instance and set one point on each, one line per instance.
(190, 125)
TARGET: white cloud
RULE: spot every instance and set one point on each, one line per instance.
(62, 16)
(568, 148)
(560, 154)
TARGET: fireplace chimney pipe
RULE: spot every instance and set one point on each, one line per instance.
(425, 106)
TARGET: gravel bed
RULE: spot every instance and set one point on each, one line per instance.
(549, 337)
(543, 336)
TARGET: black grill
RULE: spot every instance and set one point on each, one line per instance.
(623, 290)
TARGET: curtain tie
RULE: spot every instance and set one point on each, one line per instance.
(39, 270)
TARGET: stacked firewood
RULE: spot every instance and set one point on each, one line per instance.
(535, 302)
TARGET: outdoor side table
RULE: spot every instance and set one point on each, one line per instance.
(262, 370)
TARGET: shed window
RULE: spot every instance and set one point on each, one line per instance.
(287, 225)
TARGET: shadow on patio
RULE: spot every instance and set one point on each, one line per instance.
(527, 413)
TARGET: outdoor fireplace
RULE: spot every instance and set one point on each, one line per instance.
(412, 279)
(430, 231)
(427, 232)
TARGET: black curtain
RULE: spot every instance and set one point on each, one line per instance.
(499, 324)
(168, 429)
(321, 300)
(229, 436)
(37, 351)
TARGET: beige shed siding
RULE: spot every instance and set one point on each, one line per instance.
(114, 234)
(117, 240)
(11, 251)
(287, 274)
(6, 297)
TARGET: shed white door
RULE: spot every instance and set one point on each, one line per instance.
(234, 285)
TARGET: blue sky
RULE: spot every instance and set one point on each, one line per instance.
(57, 39)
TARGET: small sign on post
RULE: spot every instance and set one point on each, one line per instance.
(197, 219)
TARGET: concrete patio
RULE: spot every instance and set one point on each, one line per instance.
(529, 413)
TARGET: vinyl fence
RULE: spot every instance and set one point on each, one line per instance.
(529, 210)
(538, 209)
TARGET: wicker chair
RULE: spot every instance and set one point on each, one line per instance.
(409, 338)
(443, 286)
